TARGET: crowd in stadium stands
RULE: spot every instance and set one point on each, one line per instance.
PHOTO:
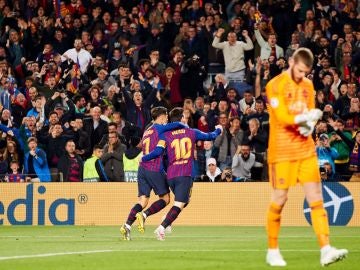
(78, 80)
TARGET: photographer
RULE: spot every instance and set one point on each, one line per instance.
(327, 174)
(226, 175)
(326, 153)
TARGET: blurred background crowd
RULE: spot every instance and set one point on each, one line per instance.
(78, 80)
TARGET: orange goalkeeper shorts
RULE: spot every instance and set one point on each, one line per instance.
(283, 175)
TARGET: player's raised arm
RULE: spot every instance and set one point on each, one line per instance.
(201, 136)
(171, 126)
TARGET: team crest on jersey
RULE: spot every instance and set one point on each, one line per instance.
(274, 102)
(305, 94)
(297, 107)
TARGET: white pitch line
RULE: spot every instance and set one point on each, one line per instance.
(44, 255)
(53, 254)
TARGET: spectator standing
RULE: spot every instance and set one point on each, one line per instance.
(131, 159)
(70, 164)
(15, 176)
(78, 55)
(113, 158)
(342, 161)
(269, 47)
(95, 127)
(326, 153)
(138, 109)
(35, 163)
(233, 51)
(228, 142)
(55, 148)
(93, 167)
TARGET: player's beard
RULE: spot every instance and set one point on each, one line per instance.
(293, 76)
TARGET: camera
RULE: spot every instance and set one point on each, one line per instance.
(228, 174)
(193, 61)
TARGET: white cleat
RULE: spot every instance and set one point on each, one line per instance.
(274, 258)
(168, 230)
(332, 255)
(160, 233)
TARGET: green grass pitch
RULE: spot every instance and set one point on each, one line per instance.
(93, 248)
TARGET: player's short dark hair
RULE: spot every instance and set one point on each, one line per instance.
(176, 114)
(157, 111)
(304, 55)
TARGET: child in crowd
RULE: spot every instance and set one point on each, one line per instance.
(15, 176)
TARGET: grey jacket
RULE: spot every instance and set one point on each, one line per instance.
(265, 51)
(242, 168)
(221, 142)
(113, 162)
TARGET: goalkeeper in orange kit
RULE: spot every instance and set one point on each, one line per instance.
(292, 157)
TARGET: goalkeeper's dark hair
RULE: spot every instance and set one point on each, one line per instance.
(304, 55)
(157, 111)
(176, 114)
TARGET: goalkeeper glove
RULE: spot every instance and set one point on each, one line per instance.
(313, 116)
(307, 121)
(307, 129)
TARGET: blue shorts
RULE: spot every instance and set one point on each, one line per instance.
(148, 180)
(181, 187)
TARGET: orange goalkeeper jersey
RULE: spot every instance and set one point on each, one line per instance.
(287, 99)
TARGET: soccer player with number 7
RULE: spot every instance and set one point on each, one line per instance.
(291, 154)
(180, 145)
(151, 174)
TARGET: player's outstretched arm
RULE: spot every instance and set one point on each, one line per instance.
(201, 136)
(157, 152)
(171, 126)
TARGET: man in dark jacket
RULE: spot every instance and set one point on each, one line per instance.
(138, 110)
(70, 164)
(55, 145)
(113, 158)
(95, 127)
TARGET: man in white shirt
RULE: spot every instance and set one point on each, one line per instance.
(233, 51)
(269, 47)
(80, 56)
